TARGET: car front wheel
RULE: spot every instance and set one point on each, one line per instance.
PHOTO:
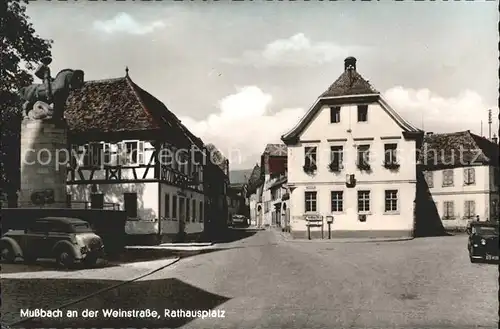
(64, 258)
(7, 253)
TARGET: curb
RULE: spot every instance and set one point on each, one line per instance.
(346, 240)
(194, 244)
(76, 301)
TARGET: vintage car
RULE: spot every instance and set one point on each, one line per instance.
(239, 221)
(67, 240)
(483, 241)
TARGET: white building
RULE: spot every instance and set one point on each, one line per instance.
(125, 140)
(462, 176)
(352, 157)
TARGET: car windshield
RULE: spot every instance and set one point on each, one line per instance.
(487, 230)
(82, 228)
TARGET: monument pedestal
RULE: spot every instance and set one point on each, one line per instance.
(44, 158)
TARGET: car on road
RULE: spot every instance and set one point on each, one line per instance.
(239, 221)
(483, 241)
(67, 240)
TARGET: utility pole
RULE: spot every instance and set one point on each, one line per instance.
(490, 121)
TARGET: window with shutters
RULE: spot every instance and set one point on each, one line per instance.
(189, 218)
(131, 152)
(201, 212)
(469, 176)
(310, 202)
(448, 210)
(390, 154)
(174, 207)
(469, 209)
(336, 158)
(429, 178)
(448, 178)
(96, 154)
(167, 205)
(337, 199)
(335, 114)
(363, 161)
(84, 155)
(106, 154)
(310, 157)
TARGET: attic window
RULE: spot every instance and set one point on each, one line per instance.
(362, 113)
(335, 114)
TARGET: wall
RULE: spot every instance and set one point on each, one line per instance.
(169, 223)
(459, 193)
(399, 223)
(323, 134)
(147, 207)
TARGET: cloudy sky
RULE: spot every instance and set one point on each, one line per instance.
(239, 75)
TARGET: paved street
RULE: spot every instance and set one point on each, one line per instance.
(265, 282)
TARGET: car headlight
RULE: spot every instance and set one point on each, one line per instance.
(483, 242)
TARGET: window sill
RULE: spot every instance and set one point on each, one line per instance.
(338, 213)
(364, 213)
(447, 185)
(392, 213)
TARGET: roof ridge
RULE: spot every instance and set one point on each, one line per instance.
(105, 80)
(133, 86)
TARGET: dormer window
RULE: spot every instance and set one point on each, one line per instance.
(335, 114)
(362, 113)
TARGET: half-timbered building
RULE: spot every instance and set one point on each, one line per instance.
(130, 151)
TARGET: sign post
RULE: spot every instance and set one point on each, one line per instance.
(314, 220)
(329, 221)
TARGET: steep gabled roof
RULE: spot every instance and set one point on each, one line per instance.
(350, 87)
(458, 149)
(276, 150)
(216, 157)
(120, 105)
(349, 83)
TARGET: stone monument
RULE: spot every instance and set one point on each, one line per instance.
(44, 138)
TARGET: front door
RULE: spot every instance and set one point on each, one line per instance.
(182, 214)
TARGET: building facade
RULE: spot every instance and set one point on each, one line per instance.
(274, 166)
(280, 216)
(461, 173)
(133, 153)
(352, 159)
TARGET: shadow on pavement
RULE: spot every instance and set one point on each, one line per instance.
(234, 234)
(158, 295)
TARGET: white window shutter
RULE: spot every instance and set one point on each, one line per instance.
(472, 207)
(120, 153)
(140, 153)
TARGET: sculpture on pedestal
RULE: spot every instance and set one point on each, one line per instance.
(44, 129)
(47, 100)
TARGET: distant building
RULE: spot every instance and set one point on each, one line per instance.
(461, 172)
(352, 156)
(254, 195)
(274, 167)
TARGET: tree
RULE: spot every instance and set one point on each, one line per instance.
(20, 45)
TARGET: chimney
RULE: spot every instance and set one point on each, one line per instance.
(350, 62)
(495, 139)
